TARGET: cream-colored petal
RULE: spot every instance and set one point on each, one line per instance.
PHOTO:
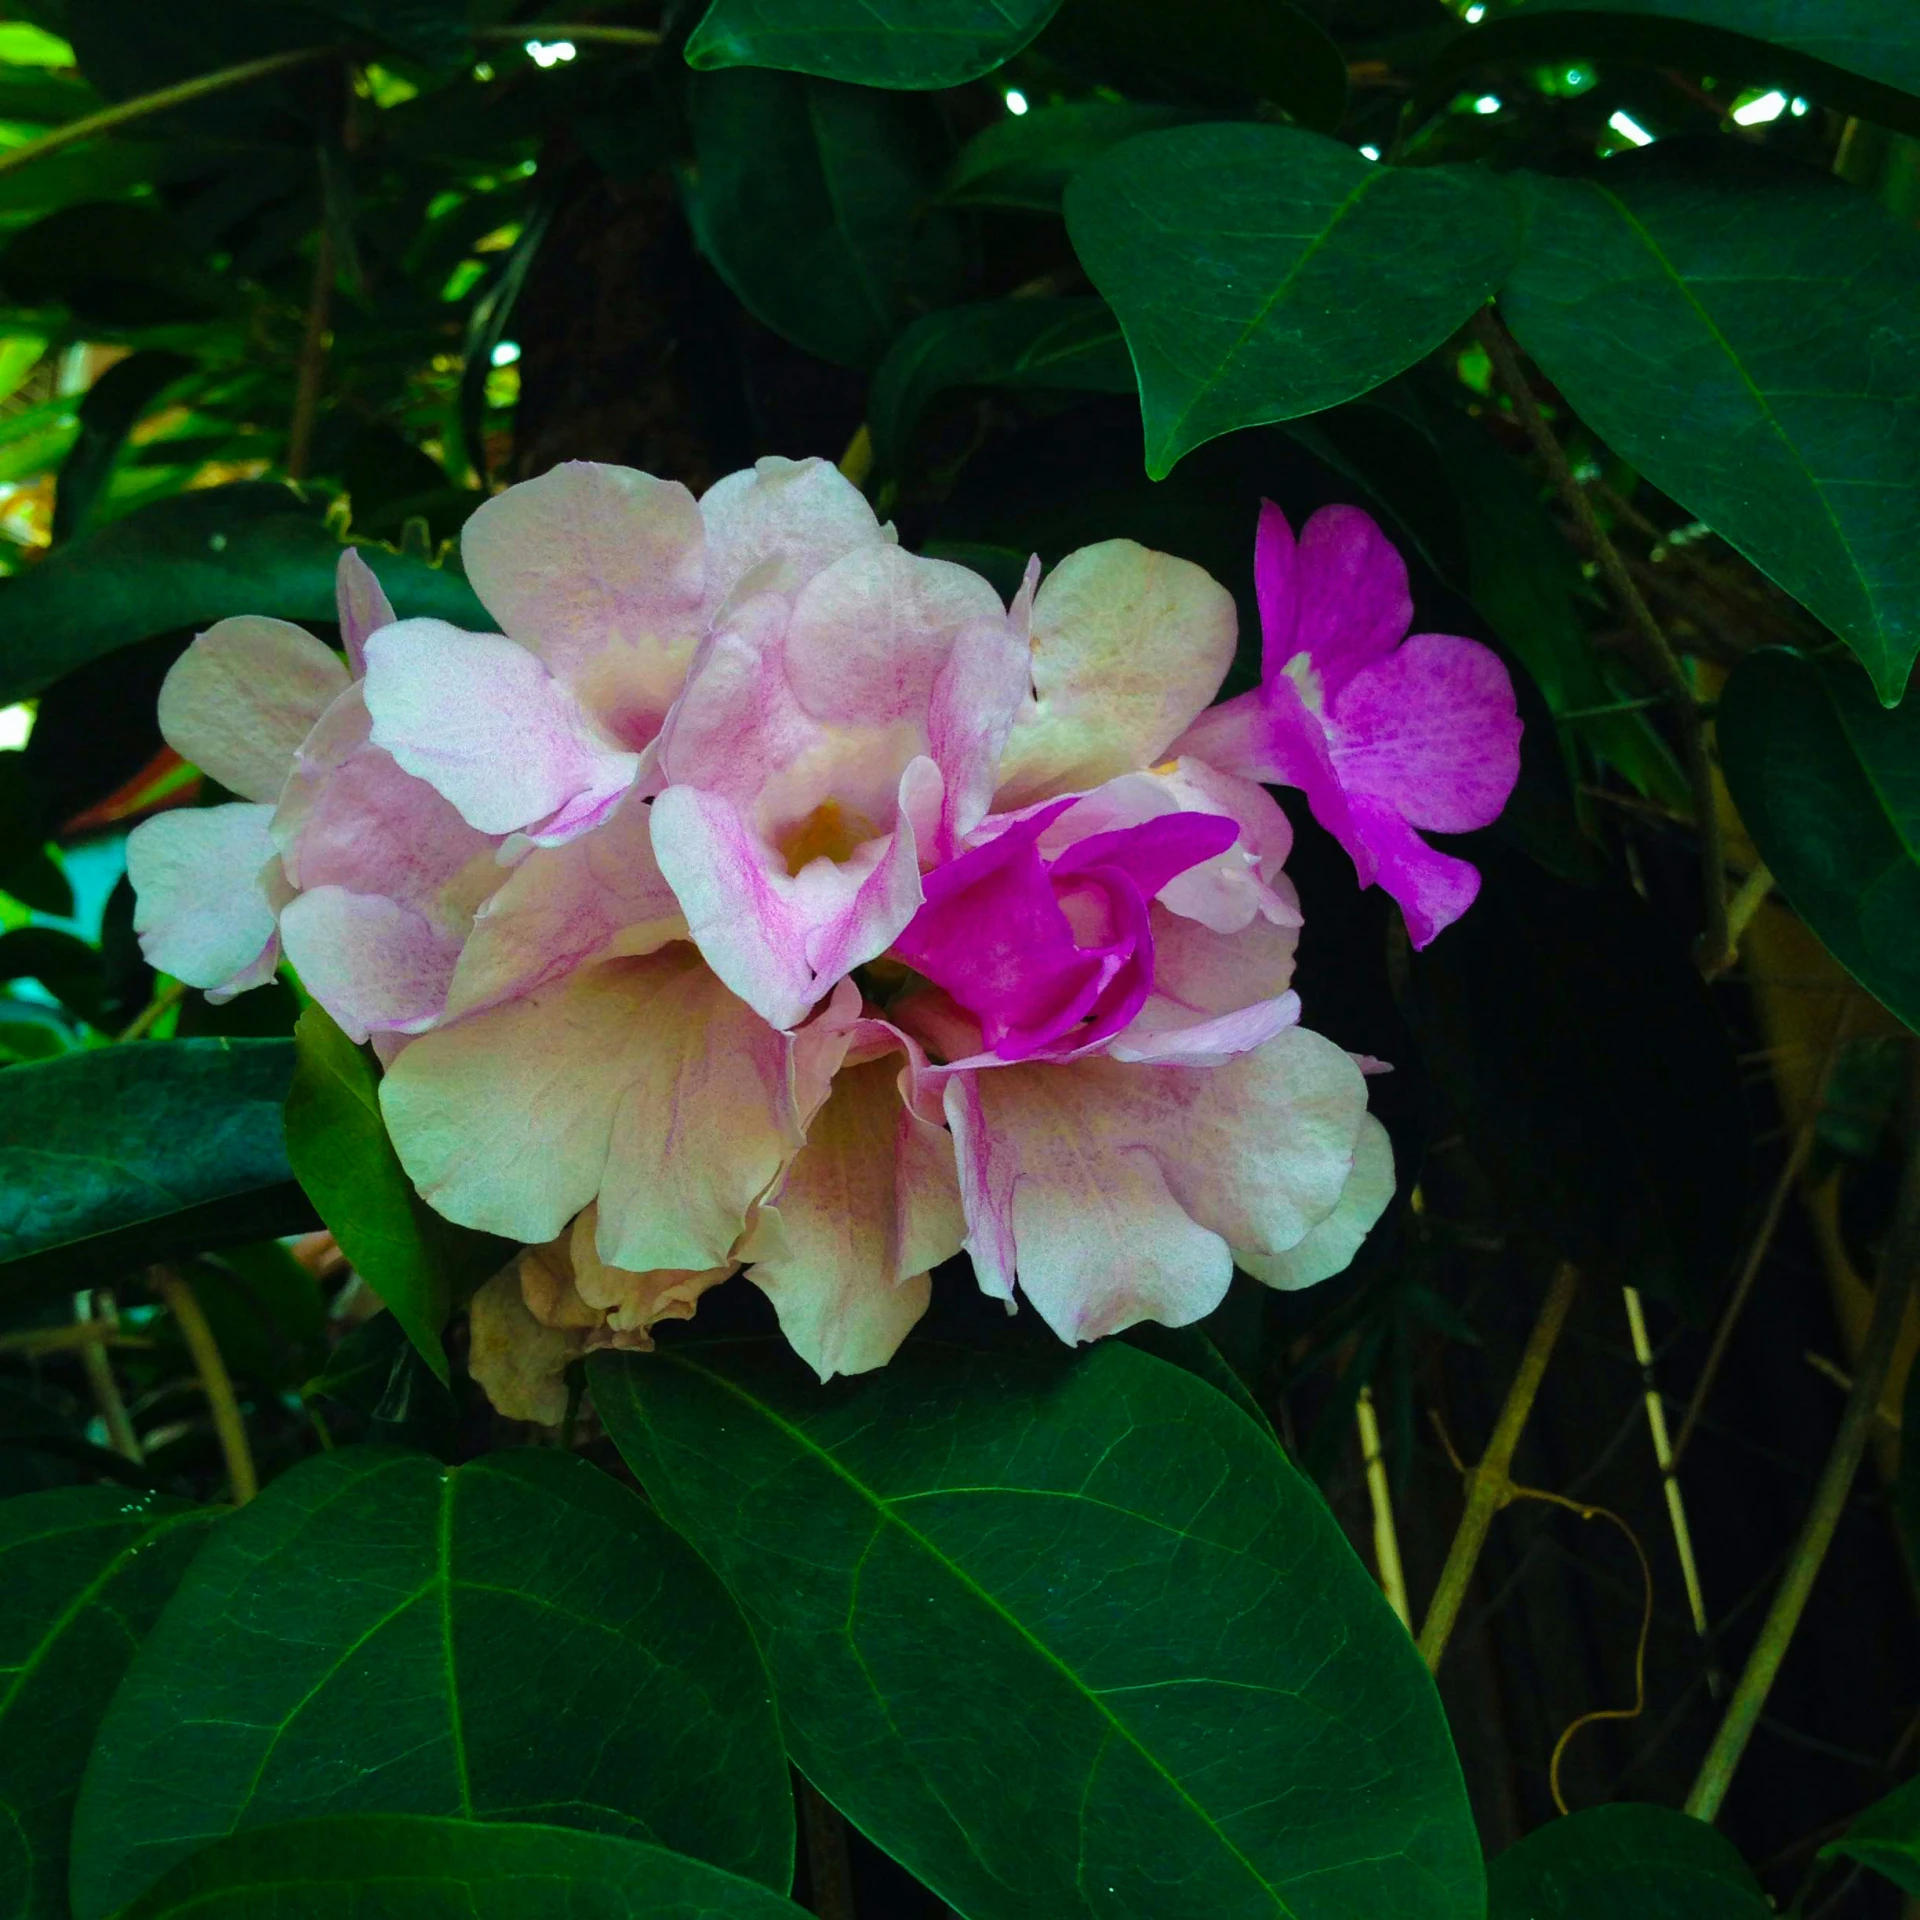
(633, 1303)
(1129, 645)
(207, 895)
(1329, 1248)
(241, 699)
(519, 1362)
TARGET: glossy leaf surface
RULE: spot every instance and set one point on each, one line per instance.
(1264, 272)
(85, 1572)
(1744, 333)
(878, 43)
(412, 1867)
(1604, 1863)
(516, 1639)
(935, 1560)
(1828, 783)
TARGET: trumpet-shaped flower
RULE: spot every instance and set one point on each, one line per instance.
(1385, 734)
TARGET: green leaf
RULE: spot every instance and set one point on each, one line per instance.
(1263, 272)
(1610, 1862)
(806, 196)
(936, 1561)
(1026, 160)
(86, 1571)
(27, 870)
(111, 410)
(120, 1155)
(187, 562)
(406, 1867)
(1592, 1075)
(1746, 333)
(338, 1147)
(1887, 1838)
(1828, 784)
(69, 969)
(877, 43)
(1861, 56)
(1230, 54)
(516, 1639)
(1020, 344)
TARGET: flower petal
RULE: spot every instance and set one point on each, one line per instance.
(1129, 645)
(1432, 731)
(772, 526)
(371, 962)
(976, 698)
(481, 720)
(207, 890)
(1214, 994)
(598, 897)
(241, 699)
(871, 1202)
(641, 1083)
(1330, 1246)
(519, 1361)
(600, 571)
(1433, 888)
(1350, 601)
(362, 605)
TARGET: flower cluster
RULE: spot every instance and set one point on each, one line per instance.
(764, 895)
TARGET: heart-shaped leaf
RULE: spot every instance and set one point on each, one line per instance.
(896, 43)
(1745, 333)
(1065, 1634)
(1828, 783)
(1610, 1862)
(516, 1639)
(1264, 272)
(387, 1866)
(86, 1571)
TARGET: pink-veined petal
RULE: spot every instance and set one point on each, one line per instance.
(241, 699)
(1350, 599)
(772, 526)
(1129, 645)
(207, 893)
(1431, 731)
(371, 962)
(1433, 888)
(362, 605)
(601, 572)
(481, 720)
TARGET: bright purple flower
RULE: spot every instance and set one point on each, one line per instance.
(1384, 734)
(1054, 955)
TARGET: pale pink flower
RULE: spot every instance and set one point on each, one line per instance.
(1385, 734)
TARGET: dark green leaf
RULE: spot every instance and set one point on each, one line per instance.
(517, 1639)
(1607, 1863)
(1026, 160)
(110, 412)
(267, 1314)
(894, 43)
(69, 969)
(1212, 53)
(1264, 272)
(807, 198)
(27, 870)
(401, 1867)
(1828, 784)
(117, 263)
(935, 1560)
(1020, 344)
(1591, 1073)
(1746, 334)
(86, 1571)
(122, 1154)
(1887, 1837)
(338, 1146)
(1862, 56)
(186, 562)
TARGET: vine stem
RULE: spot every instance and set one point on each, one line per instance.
(1716, 947)
(587, 32)
(121, 1434)
(1386, 1537)
(1829, 1501)
(138, 108)
(1490, 1485)
(313, 360)
(828, 1862)
(215, 1382)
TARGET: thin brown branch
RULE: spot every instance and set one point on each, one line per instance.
(313, 360)
(215, 1382)
(1715, 953)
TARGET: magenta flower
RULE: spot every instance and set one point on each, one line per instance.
(1385, 734)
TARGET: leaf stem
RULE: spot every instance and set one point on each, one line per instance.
(548, 31)
(1829, 1501)
(828, 1863)
(121, 1435)
(124, 111)
(1490, 1485)
(1386, 1537)
(313, 361)
(1715, 951)
(215, 1381)
(154, 1011)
